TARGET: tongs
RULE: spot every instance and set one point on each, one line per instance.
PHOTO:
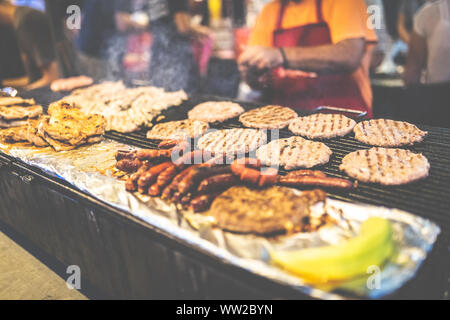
(8, 92)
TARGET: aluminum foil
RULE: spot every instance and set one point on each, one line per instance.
(90, 168)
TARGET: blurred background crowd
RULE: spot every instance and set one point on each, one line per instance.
(396, 51)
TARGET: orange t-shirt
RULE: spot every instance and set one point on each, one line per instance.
(347, 19)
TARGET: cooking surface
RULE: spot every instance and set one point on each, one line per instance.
(428, 198)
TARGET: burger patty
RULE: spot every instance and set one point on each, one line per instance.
(232, 141)
(385, 166)
(178, 130)
(10, 101)
(322, 126)
(19, 112)
(268, 117)
(267, 211)
(215, 111)
(388, 133)
(294, 152)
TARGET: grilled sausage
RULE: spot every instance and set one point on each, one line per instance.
(147, 154)
(217, 182)
(314, 173)
(166, 176)
(306, 181)
(149, 177)
(154, 190)
(131, 183)
(169, 191)
(128, 165)
(168, 144)
(193, 157)
(248, 170)
(203, 202)
(166, 153)
(163, 179)
(124, 154)
(238, 165)
(268, 177)
(250, 175)
(198, 174)
(186, 200)
(176, 197)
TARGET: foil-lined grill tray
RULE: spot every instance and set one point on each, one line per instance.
(90, 169)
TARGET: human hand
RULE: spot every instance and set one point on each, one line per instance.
(260, 58)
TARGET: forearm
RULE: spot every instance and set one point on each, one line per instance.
(16, 82)
(342, 57)
(416, 61)
(412, 74)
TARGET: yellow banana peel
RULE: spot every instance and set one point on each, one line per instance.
(371, 247)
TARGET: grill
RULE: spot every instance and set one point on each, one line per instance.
(427, 198)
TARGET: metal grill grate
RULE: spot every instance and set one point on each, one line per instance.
(429, 198)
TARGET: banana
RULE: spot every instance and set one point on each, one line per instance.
(372, 246)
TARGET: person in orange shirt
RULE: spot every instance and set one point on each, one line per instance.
(311, 53)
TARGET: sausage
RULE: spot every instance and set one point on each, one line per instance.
(166, 176)
(248, 170)
(250, 175)
(306, 181)
(163, 179)
(154, 190)
(128, 165)
(165, 153)
(217, 182)
(176, 197)
(168, 192)
(186, 200)
(268, 177)
(314, 173)
(147, 154)
(131, 183)
(168, 144)
(124, 154)
(149, 177)
(203, 202)
(198, 174)
(193, 157)
(238, 165)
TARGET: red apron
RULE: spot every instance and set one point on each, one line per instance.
(339, 90)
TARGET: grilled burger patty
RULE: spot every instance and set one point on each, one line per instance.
(268, 117)
(232, 141)
(388, 133)
(266, 211)
(67, 123)
(15, 134)
(322, 126)
(385, 166)
(294, 152)
(213, 111)
(178, 130)
(10, 101)
(12, 123)
(19, 113)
